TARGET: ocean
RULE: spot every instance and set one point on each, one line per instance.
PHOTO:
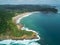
(47, 25)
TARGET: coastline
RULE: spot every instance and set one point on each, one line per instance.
(23, 41)
(17, 20)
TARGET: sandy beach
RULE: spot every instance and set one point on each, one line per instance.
(18, 18)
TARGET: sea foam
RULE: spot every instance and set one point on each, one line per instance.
(18, 42)
(22, 42)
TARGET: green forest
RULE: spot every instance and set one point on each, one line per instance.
(7, 27)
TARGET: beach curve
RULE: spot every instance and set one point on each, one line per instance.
(18, 18)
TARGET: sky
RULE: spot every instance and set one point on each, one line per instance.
(29, 1)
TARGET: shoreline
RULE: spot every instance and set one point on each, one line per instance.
(18, 18)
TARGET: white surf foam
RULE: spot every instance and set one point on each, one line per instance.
(22, 42)
(24, 28)
(18, 20)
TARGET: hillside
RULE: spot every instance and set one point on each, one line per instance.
(8, 29)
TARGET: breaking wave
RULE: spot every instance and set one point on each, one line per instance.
(18, 42)
(21, 42)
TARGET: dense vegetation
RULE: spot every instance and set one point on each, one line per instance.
(7, 27)
(29, 8)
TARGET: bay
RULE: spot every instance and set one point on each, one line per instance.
(47, 25)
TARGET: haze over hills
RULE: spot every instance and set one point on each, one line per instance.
(29, 8)
(16, 2)
(44, 21)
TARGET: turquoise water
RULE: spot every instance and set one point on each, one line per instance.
(47, 25)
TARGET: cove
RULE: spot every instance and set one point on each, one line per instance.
(47, 25)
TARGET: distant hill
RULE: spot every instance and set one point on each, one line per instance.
(8, 29)
(29, 8)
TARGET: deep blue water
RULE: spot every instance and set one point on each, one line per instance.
(47, 25)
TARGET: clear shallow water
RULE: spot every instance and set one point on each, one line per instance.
(47, 25)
